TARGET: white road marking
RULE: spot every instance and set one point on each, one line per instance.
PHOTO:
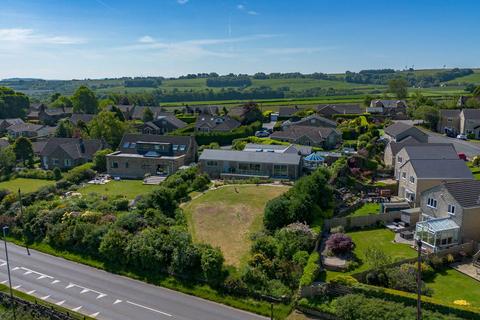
(40, 275)
(31, 292)
(45, 298)
(16, 287)
(59, 303)
(55, 281)
(4, 281)
(16, 268)
(147, 308)
(94, 315)
(77, 308)
(117, 301)
(85, 290)
(101, 295)
(3, 264)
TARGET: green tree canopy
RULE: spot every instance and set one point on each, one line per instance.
(64, 129)
(107, 126)
(12, 104)
(147, 115)
(23, 150)
(62, 102)
(7, 160)
(398, 87)
(100, 159)
(84, 101)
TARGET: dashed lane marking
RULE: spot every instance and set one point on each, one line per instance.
(16, 287)
(85, 290)
(77, 308)
(117, 301)
(59, 303)
(55, 281)
(94, 315)
(45, 298)
(31, 292)
(4, 281)
(147, 308)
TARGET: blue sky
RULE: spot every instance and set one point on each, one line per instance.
(67, 39)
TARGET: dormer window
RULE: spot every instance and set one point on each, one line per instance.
(451, 209)
(432, 203)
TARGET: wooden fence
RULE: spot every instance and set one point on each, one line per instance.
(362, 221)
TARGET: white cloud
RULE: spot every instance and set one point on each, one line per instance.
(182, 1)
(243, 8)
(297, 50)
(240, 7)
(253, 13)
(146, 39)
(29, 36)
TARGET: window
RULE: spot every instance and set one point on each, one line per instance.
(182, 147)
(404, 175)
(432, 203)
(400, 159)
(126, 165)
(280, 170)
(412, 179)
(67, 162)
(451, 209)
(55, 161)
(126, 144)
(175, 147)
(133, 145)
(114, 164)
(212, 163)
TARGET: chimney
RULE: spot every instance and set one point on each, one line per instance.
(82, 145)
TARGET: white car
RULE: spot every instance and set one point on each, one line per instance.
(462, 137)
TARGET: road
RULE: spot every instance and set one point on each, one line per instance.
(103, 295)
(469, 148)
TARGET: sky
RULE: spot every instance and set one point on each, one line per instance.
(78, 39)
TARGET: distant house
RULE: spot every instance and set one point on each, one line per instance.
(207, 123)
(66, 153)
(30, 130)
(51, 116)
(312, 121)
(399, 131)
(424, 151)
(145, 154)
(392, 148)
(230, 164)
(309, 135)
(450, 215)
(331, 110)
(32, 114)
(80, 117)
(5, 123)
(392, 108)
(127, 110)
(139, 111)
(287, 112)
(162, 124)
(202, 110)
(295, 149)
(419, 175)
(466, 121)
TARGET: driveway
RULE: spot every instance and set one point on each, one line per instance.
(471, 149)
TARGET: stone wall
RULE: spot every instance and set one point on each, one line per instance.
(362, 221)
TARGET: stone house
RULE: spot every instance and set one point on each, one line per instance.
(208, 123)
(311, 121)
(139, 155)
(399, 131)
(392, 148)
(390, 108)
(162, 125)
(231, 164)
(322, 137)
(331, 110)
(30, 130)
(5, 123)
(450, 215)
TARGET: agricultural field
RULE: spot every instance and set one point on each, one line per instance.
(127, 188)
(227, 216)
(25, 185)
(472, 78)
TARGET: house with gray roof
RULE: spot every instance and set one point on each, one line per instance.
(310, 121)
(5, 123)
(232, 164)
(209, 123)
(399, 131)
(392, 148)
(425, 151)
(450, 215)
(30, 130)
(50, 116)
(449, 119)
(141, 155)
(465, 121)
(390, 108)
(323, 137)
(138, 112)
(285, 112)
(330, 110)
(297, 149)
(418, 175)
(66, 153)
(202, 110)
(76, 118)
(162, 124)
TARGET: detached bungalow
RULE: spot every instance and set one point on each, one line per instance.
(230, 164)
(162, 124)
(206, 123)
(310, 136)
(311, 121)
(30, 130)
(330, 110)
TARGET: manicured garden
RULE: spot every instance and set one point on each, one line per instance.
(450, 285)
(366, 209)
(226, 217)
(127, 188)
(25, 185)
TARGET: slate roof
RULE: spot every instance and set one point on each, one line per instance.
(397, 146)
(471, 113)
(210, 110)
(287, 111)
(172, 120)
(440, 169)
(389, 104)
(129, 141)
(58, 111)
(12, 121)
(316, 134)
(306, 120)
(251, 157)
(466, 193)
(72, 146)
(214, 124)
(138, 112)
(450, 113)
(398, 128)
(22, 127)
(342, 108)
(85, 118)
(431, 151)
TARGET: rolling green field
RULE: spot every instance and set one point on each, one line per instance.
(25, 185)
(127, 188)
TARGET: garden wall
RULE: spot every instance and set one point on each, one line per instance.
(362, 221)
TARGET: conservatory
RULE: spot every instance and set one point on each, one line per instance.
(437, 234)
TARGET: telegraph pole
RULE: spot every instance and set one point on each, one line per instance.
(419, 280)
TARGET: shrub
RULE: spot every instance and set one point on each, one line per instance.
(311, 270)
(57, 173)
(339, 243)
(100, 160)
(36, 174)
(80, 173)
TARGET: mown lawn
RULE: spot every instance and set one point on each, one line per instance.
(25, 185)
(475, 170)
(366, 209)
(226, 217)
(127, 188)
(450, 285)
(380, 238)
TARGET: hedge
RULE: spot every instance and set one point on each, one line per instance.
(226, 138)
(311, 270)
(351, 116)
(187, 119)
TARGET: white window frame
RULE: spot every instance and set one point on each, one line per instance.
(399, 159)
(432, 203)
(412, 179)
(404, 175)
(451, 209)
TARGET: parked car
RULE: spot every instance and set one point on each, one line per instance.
(462, 156)
(462, 137)
(262, 134)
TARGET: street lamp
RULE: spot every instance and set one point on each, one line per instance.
(419, 279)
(5, 229)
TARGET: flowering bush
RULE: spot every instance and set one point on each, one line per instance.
(339, 243)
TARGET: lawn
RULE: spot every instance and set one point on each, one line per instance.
(366, 209)
(451, 285)
(381, 238)
(25, 185)
(475, 170)
(226, 217)
(128, 188)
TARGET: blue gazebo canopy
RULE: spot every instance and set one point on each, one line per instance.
(314, 158)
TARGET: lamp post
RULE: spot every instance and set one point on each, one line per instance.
(419, 279)
(5, 229)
